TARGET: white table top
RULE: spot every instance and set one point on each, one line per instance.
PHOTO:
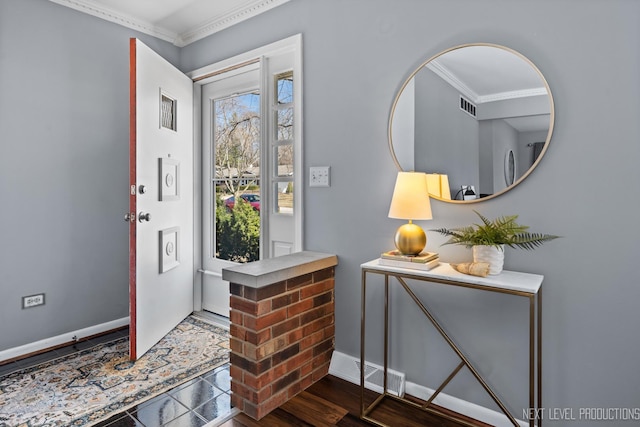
(509, 280)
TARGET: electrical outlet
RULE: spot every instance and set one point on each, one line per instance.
(32, 301)
(319, 176)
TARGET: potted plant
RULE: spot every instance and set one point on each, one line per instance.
(489, 238)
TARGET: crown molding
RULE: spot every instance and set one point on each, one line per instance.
(236, 16)
(244, 12)
(446, 75)
(514, 94)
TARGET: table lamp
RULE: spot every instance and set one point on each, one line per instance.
(410, 201)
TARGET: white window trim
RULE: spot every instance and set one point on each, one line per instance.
(208, 74)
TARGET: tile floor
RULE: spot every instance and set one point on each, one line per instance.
(193, 404)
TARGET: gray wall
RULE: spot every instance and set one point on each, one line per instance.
(447, 138)
(503, 138)
(66, 235)
(357, 53)
(64, 134)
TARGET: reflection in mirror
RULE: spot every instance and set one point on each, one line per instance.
(509, 168)
(480, 115)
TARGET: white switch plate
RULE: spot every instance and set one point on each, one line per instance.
(319, 176)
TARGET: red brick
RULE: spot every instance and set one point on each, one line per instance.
(285, 381)
(254, 338)
(299, 360)
(236, 373)
(249, 352)
(251, 410)
(285, 300)
(237, 401)
(330, 330)
(295, 335)
(299, 281)
(322, 347)
(322, 299)
(258, 411)
(245, 392)
(266, 321)
(316, 288)
(236, 345)
(261, 381)
(294, 389)
(306, 369)
(243, 305)
(259, 294)
(235, 317)
(285, 354)
(275, 401)
(270, 347)
(257, 338)
(311, 340)
(252, 381)
(253, 367)
(238, 332)
(284, 327)
(299, 307)
(314, 314)
(262, 395)
(320, 373)
(324, 274)
(322, 359)
(306, 382)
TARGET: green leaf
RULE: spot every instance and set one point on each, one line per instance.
(503, 230)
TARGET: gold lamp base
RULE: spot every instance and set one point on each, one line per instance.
(410, 239)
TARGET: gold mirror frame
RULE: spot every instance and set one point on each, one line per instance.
(546, 142)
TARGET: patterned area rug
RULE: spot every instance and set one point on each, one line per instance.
(89, 386)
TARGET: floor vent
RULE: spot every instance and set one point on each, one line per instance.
(467, 106)
(348, 368)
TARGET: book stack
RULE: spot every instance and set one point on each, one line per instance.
(422, 261)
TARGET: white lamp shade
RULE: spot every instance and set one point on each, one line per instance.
(411, 197)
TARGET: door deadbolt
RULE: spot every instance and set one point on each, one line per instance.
(144, 217)
(129, 216)
(142, 189)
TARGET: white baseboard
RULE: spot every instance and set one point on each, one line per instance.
(452, 403)
(463, 407)
(62, 339)
(348, 368)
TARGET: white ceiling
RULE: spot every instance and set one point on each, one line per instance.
(177, 21)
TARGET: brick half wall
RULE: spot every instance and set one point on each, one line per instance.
(282, 339)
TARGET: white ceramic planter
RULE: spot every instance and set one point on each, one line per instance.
(490, 254)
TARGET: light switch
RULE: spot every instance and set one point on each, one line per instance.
(319, 176)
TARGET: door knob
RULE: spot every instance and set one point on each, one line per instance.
(144, 217)
(129, 216)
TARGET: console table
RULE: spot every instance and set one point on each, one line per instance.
(508, 282)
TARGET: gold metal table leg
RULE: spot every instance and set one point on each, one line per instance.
(535, 353)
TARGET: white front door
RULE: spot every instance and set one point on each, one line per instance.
(161, 198)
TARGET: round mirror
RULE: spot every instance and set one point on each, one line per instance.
(477, 118)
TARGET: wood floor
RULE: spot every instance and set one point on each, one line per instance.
(335, 402)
